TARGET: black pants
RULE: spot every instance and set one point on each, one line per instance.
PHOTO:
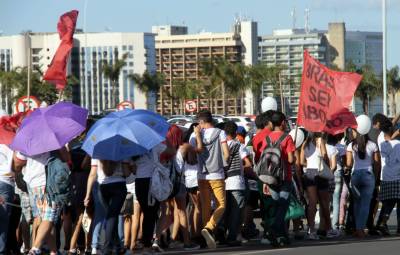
(150, 213)
(114, 196)
(386, 210)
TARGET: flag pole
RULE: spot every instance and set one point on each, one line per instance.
(29, 74)
(281, 92)
(384, 55)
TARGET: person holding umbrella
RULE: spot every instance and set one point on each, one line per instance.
(42, 137)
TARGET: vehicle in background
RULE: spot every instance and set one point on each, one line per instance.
(242, 121)
(181, 121)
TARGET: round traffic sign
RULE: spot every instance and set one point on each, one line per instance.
(190, 106)
(23, 103)
(125, 105)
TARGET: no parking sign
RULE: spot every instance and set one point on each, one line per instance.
(190, 106)
(24, 103)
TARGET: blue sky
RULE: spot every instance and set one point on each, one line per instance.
(209, 15)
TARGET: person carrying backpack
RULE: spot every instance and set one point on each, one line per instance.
(274, 170)
(212, 159)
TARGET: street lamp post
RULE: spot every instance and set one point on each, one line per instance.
(384, 55)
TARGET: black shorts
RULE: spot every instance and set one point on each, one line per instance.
(311, 178)
(192, 190)
(253, 198)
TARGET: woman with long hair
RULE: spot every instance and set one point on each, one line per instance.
(313, 152)
(363, 158)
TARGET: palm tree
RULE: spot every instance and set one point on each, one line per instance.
(370, 85)
(112, 72)
(393, 81)
(9, 81)
(148, 82)
(187, 89)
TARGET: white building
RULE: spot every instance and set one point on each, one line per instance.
(90, 50)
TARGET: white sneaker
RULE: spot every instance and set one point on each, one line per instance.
(156, 246)
(333, 233)
(265, 240)
(209, 239)
(312, 236)
(96, 251)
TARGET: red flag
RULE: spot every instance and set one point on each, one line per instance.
(325, 97)
(57, 73)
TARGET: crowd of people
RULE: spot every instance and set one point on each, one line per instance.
(218, 187)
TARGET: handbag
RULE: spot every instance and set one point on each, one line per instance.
(324, 171)
(86, 222)
(295, 209)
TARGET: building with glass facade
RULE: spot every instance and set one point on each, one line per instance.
(88, 54)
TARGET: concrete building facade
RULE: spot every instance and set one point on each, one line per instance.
(89, 52)
(179, 57)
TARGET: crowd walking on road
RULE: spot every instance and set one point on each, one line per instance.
(131, 183)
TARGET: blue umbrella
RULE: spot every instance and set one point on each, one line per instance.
(119, 136)
(151, 119)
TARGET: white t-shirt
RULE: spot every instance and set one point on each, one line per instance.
(237, 182)
(390, 155)
(130, 183)
(144, 164)
(35, 175)
(118, 175)
(313, 155)
(206, 134)
(365, 163)
(6, 159)
(189, 171)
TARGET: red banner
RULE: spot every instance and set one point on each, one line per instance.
(57, 71)
(325, 98)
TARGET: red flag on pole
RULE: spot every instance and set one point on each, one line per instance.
(325, 97)
(57, 71)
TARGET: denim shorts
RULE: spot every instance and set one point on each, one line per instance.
(311, 178)
(41, 206)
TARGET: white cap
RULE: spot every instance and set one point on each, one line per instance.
(269, 103)
(300, 136)
(363, 124)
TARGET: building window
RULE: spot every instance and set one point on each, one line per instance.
(130, 47)
(124, 47)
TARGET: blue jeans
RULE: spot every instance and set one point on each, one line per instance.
(99, 216)
(235, 203)
(363, 184)
(280, 195)
(336, 197)
(7, 192)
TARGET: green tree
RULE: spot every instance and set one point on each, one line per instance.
(370, 85)
(112, 72)
(187, 89)
(8, 81)
(393, 82)
(148, 82)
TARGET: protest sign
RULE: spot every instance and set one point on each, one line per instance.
(325, 97)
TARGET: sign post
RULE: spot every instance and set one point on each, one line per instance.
(190, 106)
(26, 103)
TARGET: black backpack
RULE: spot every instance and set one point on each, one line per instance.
(176, 179)
(270, 169)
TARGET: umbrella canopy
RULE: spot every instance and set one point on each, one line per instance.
(151, 119)
(50, 128)
(119, 136)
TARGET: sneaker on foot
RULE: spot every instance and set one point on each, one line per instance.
(35, 251)
(156, 246)
(206, 233)
(191, 247)
(175, 245)
(333, 233)
(312, 236)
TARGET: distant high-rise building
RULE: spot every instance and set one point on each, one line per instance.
(286, 47)
(332, 47)
(169, 30)
(179, 56)
(90, 50)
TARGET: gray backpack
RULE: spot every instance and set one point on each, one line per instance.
(270, 169)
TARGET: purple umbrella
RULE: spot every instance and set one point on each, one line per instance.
(50, 128)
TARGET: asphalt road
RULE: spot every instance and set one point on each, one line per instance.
(368, 246)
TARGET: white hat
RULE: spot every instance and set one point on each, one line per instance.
(269, 103)
(363, 124)
(3, 113)
(300, 136)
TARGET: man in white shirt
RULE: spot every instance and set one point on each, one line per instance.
(6, 192)
(212, 159)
